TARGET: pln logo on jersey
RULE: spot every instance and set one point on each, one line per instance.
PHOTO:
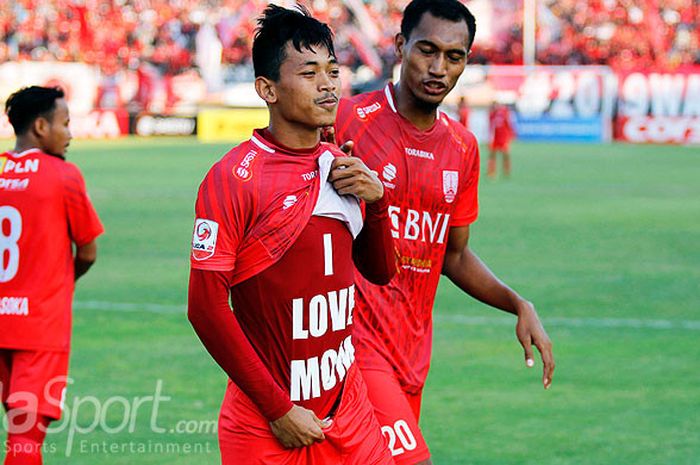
(364, 113)
(204, 239)
(450, 180)
(244, 169)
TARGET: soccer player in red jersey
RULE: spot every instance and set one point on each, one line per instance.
(502, 133)
(429, 165)
(44, 212)
(280, 230)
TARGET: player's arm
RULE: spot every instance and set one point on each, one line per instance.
(85, 256)
(373, 249)
(217, 327)
(469, 273)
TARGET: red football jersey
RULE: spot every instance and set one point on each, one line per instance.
(431, 179)
(295, 301)
(499, 124)
(44, 208)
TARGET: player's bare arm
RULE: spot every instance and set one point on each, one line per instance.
(350, 175)
(299, 427)
(469, 273)
(85, 256)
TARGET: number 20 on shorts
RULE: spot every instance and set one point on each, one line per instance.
(400, 437)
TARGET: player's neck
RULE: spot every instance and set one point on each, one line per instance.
(420, 115)
(25, 143)
(293, 136)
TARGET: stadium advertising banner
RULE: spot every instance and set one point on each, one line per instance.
(659, 107)
(78, 80)
(163, 125)
(550, 103)
(230, 124)
(98, 124)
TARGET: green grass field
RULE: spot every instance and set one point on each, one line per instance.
(605, 240)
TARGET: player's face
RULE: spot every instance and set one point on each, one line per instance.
(433, 58)
(56, 138)
(307, 91)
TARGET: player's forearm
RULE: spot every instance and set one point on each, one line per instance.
(373, 249)
(470, 274)
(221, 334)
(85, 257)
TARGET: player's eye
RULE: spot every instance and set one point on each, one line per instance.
(334, 72)
(426, 50)
(455, 57)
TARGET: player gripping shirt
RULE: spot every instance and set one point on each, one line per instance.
(271, 224)
(44, 209)
(430, 180)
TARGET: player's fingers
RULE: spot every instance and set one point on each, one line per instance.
(526, 342)
(347, 147)
(545, 349)
(328, 134)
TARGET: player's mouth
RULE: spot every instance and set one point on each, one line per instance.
(328, 102)
(434, 87)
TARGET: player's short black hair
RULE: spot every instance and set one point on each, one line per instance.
(452, 10)
(276, 27)
(29, 103)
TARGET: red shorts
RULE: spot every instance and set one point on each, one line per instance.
(34, 381)
(398, 413)
(500, 145)
(354, 437)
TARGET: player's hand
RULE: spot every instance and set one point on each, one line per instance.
(328, 135)
(350, 175)
(299, 427)
(530, 331)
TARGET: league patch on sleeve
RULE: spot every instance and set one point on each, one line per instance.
(204, 239)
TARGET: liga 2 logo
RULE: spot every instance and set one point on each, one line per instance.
(204, 238)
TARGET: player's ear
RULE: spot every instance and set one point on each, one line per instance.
(399, 43)
(266, 89)
(40, 126)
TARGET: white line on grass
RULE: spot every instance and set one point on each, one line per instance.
(459, 319)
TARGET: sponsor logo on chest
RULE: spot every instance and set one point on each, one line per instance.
(389, 173)
(243, 170)
(364, 112)
(419, 153)
(423, 226)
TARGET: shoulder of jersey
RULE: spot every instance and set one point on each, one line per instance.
(459, 133)
(333, 149)
(364, 107)
(243, 161)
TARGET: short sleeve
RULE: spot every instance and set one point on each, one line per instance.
(220, 213)
(467, 205)
(84, 225)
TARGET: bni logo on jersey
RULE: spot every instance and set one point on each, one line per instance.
(450, 179)
(204, 239)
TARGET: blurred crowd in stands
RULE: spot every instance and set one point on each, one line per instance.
(121, 33)
(625, 34)
(214, 37)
